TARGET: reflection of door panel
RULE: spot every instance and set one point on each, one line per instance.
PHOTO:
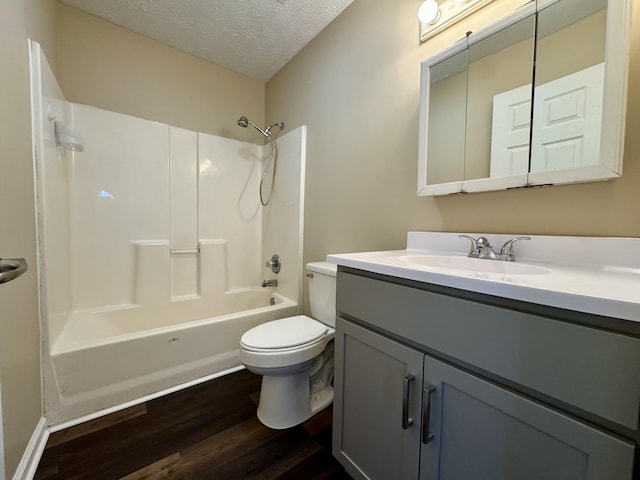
(568, 114)
(510, 132)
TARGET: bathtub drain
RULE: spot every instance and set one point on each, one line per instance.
(272, 301)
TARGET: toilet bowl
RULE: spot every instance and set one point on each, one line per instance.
(295, 356)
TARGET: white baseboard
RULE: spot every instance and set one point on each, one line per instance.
(29, 463)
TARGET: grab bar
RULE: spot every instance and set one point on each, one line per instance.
(182, 251)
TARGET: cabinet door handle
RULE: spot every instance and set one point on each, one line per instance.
(427, 436)
(406, 389)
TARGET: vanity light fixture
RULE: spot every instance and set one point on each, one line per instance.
(429, 12)
(436, 15)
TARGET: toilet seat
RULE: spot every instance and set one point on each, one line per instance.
(285, 334)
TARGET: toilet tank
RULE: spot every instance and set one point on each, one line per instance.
(322, 291)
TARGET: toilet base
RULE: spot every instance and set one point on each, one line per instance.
(321, 400)
(285, 401)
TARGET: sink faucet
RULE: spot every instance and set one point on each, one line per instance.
(270, 283)
(481, 248)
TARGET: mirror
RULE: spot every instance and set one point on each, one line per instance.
(569, 85)
(447, 118)
(498, 138)
(490, 121)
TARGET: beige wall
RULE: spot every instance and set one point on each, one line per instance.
(19, 326)
(106, 66)
(356, 86)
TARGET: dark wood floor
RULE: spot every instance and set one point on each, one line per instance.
(205, 432)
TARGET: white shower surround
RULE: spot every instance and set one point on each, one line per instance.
(161, 217)
(131, 206)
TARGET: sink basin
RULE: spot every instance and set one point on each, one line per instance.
(11, 268)
(476, 265)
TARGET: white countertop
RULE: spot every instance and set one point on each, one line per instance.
(586, 274)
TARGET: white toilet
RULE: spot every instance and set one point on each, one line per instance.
(295, 355)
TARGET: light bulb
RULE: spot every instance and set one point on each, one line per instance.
(429, 12)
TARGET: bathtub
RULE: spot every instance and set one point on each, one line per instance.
(106, 357)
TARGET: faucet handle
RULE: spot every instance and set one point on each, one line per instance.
(507, 248)
(274, 263)
(474, 251)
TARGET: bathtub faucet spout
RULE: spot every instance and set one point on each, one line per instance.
(270, 283)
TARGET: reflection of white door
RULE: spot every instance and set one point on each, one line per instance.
(510, 132)
(568, 118)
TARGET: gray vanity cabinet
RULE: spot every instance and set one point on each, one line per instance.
(483, 431)
(407, 407)
(379, 382)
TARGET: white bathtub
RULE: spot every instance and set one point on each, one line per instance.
(104, 358)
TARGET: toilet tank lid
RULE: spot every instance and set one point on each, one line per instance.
(325, 268)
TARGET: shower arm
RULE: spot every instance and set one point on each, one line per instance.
(279, 125)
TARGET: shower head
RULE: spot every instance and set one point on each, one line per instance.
(244, 122)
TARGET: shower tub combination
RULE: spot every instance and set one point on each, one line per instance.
(101, 355)
(152, 249)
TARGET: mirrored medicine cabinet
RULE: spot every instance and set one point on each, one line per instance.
(536, 98)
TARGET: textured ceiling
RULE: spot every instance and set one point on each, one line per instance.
(253, 37)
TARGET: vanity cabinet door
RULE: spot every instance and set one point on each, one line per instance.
(482, 431)
(377, 383)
